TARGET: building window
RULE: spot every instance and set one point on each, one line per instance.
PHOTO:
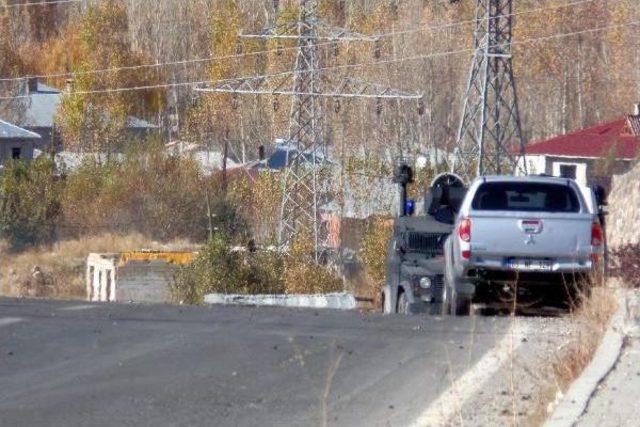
(568, 171)
(15, 153)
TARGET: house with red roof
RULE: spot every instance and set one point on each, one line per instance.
(577, 155)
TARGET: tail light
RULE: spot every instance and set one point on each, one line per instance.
(464, 230)
(597, 235)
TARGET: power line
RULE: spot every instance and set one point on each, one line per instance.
(40, 3)
(343, 66)
(279, 49)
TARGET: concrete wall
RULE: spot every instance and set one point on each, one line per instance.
(623, 221)
(133, 276)
(145, 281)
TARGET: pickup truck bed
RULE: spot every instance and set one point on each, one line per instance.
(524, 230)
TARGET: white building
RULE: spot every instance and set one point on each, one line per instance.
(576, 155)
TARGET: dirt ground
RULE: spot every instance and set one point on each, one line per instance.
(58, 271)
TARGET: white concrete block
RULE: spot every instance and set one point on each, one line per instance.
(337, 301)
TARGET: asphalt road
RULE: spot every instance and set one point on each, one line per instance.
(71, 363)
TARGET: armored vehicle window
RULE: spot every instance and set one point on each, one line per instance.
(525, 196)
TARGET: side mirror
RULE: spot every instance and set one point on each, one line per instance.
(600, 194)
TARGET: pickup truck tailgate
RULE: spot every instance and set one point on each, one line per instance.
(531, 235)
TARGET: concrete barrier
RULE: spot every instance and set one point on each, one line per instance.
(338, 301)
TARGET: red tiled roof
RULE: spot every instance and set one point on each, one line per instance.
(597, 141)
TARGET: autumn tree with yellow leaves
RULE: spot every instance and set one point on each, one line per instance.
(95, 108)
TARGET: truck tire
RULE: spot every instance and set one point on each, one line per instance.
(452, 302)
(460, 305)
(446, 297)
(403, 304)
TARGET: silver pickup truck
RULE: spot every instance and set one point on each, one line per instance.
(525, 237)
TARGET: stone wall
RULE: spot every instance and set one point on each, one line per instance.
(623, 221)
(145, 281)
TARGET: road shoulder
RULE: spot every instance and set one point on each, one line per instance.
(583, 392)
(614, 402)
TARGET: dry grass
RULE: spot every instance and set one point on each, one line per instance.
(62, 265)
(590, 320)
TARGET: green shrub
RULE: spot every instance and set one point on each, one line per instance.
(373, 252)
(29, 202)
(303, 276)
(147, 191)
(220, 269)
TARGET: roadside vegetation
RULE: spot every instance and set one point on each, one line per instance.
(221, 268)
(146, 191)
(57, 270)
(51, 218)
(373, 253)
(590, 320)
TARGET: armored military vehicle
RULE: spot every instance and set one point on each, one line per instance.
(415, 260)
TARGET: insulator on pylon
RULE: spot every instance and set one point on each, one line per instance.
(378, 106)
(336, 49)
(276, 104)
(336, 106)
(279, 48)
(421, 107)
(234, 101)
(239, 48)
(377, 52)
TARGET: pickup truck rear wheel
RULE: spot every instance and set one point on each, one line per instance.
(446, 297)
(454, 303)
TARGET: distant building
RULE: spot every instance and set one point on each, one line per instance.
(37, 112)
(575, 155)
(16, 142)
(210, 160)
(283, 155)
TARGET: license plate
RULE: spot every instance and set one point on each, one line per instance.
(530, 265)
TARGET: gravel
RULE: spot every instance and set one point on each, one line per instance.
(512, 395)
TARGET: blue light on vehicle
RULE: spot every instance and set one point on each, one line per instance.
(410, 206)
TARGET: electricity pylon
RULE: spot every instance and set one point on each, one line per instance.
(490, 137)
(303, 194)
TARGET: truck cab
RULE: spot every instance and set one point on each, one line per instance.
(415, 259)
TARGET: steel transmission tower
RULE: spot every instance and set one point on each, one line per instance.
(490, 137)
(301, 196)
(303, 193)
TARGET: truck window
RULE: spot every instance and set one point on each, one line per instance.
(525, 196)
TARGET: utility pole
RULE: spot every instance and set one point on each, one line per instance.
(303, 193)
(490, 139)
